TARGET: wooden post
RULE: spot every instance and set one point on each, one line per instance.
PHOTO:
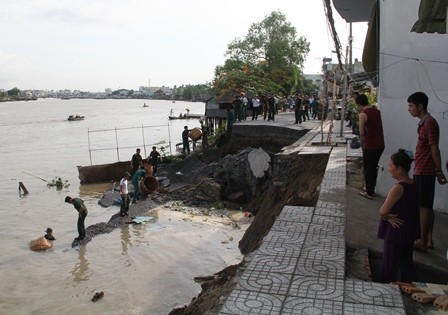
(22, 186)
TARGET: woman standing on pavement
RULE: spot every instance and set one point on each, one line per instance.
(400, 221)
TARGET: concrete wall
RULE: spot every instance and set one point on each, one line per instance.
(401, 76)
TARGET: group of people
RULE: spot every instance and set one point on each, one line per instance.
(268, 106)
(265, 104)
(241, 104)
(407, 215)
(303, 105)
(138, 173)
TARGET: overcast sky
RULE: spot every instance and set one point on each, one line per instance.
(96, 44)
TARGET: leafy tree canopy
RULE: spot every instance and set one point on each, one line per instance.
(13, 92)
(269, 58)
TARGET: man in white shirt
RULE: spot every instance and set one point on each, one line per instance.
(124, 192)
(255, 107)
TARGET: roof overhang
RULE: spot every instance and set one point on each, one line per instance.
(354, 10)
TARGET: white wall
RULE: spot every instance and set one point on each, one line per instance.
(400, 77)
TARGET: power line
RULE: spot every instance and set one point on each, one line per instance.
(413, 58)
(330, 21)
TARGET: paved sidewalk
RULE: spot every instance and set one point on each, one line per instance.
(300, 265)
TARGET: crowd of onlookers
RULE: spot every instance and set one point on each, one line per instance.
(268, 105)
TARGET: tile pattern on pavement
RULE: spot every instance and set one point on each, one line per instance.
(300, 266)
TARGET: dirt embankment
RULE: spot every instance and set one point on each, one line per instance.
(300, 187)
(214, 178)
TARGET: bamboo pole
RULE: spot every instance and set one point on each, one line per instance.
(22, 187)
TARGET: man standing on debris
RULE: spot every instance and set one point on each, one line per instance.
(153, 159)
(185, 144)
(136, 161)
(427, 167)
(138, 176)
(79, 205)
(124, 192)
(372, 139)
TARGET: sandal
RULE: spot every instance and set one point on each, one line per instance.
(365, 195)
(365, 190)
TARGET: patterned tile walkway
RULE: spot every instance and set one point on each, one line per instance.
(300, 265)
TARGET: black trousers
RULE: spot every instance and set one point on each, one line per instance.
(254, 113)
(125, 201)
(81, 227)
(298, 116)
(371, 159)
(305, 115)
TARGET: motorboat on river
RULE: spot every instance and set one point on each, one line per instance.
(75, 118)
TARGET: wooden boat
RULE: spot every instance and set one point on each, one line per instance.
(75, 118)
(186, 116)
(103, 172)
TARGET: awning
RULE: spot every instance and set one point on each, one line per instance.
(431, 17)
(370, 51)
(354, 10)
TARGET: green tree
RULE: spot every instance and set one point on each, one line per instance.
(308, 87)
(159, 95)
(269, 58)
(13, 92)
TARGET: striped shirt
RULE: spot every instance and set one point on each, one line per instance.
(428, 134)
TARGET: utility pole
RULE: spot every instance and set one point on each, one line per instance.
(350, 43)
(344, 95)
(323, 102)
(348, 70)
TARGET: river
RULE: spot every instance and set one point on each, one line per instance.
(142, 269)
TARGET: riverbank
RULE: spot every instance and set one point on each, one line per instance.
(362, 261)
(193, 186)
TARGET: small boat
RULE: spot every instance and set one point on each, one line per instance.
(186, 116)
(144, 105)
(75, 118)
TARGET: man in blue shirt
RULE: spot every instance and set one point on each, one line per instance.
(139, 175)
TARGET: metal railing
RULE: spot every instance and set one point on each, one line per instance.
(117, 144)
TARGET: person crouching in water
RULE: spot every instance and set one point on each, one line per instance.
(400, 221)
(49, 234)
